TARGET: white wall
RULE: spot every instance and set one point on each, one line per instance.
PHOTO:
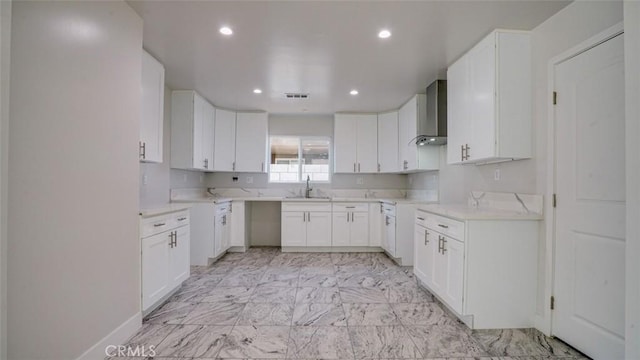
(5, 40)
(73, 174)
(632, 71)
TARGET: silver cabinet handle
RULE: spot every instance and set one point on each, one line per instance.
(381, 207)
(444, 245)
(386, 220)
(461, 152)
(206, 163)
(378, 167)
(304, 217)
(440, 238)
(175, 239)
(233, 166)
(354, 167)
(426, 241)
(350, 207)
(171, 234)
(351, 217)
(443, 226)
(309, 216)
(466, 151)
(262, 166)
(182, 219)
(224, 219)
(143, 150)
(419, 218)
(159, 224)
(358, 167)
(347, 217)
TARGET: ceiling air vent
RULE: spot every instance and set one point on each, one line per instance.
(296, 96)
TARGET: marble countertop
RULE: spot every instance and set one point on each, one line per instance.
(163, 209)
(217, 200)
(464, 212)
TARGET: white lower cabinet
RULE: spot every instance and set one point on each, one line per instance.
(485, 271)
(306, 224)
(165, 241)
(238, 233)
(350, 224)
(397, 231)
(222, 231)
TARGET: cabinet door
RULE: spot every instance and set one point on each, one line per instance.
(218, 236)
(226, 231)
(155, 268)
(340, 228)
(359, 229)
(345, 143)
(482, 86)
(391, 235)
(420, 263)
(407, 129)
(440, 265)
(367, 143)
(458, 122)
(388, 142)
(454, 253)
(375, 225)
(199, 119)
(237, 224)
(251, 142)
(318, 228)
(151, 123)
(384, 233)
(225, 140)
(179, 269)
(208, 135)
(294, 229)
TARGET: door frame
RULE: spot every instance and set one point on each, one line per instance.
(544, 322)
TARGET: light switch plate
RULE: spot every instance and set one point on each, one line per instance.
(496, 175)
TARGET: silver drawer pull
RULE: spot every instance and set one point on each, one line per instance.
(159, 224)
(182, 219)
(443, 226)
(350, 207)
(419, 218)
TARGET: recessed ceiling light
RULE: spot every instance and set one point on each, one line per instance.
(383, 34)
(353, 92)
(257, 91)
(225, 30)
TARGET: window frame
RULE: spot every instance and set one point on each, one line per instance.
(301, 138)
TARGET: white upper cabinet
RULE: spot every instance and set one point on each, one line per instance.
(251, 142)
(412, 157)
(388, 142)
(225, 140)
(152, 109)
(192, 131)
(489, 101)
(356, 143)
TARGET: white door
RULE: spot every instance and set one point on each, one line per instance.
(420, 263)
(208, 135)
(388, 142)
(226, 231)
(454, 252)
(237, 224)
(155, 271)
(407, 129)
(340, 230)
(367, 144)
(251, 142)
(218, 235)
(590, 215)
(375, 225)
(344, 143)
(318, 228)
(359, 229)
(151, 122)
(225, 140)
(457, 109)
(482, 81)
(199, 115)
(179, 267)
(439, 279)
(391, 235)
(294, 229)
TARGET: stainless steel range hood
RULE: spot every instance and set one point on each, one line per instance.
(432, 129)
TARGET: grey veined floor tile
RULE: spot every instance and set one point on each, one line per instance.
(320, 295)
(266, 314)
(170, 313)
(274, 294)
(314, 314)
(256, 342)
(319, 343)
(214, 313)
(240, 294)
(194, 341)
(422, 314)
(370, 314)
(445, 341)
(362, 295)
(382, 342)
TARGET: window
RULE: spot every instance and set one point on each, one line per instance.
(294, 158)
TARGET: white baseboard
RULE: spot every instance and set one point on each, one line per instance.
(331, 249)
(117, 337)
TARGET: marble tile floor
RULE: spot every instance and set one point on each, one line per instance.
(265, 304)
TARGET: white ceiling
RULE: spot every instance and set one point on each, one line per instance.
(323, 48)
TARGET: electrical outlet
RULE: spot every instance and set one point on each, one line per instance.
(359, 180)
(496, 175)
(249, 179)
(145, 179)
(234, 179)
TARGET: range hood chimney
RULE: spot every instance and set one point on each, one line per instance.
(433, 129)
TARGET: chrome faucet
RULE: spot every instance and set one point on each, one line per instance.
(307, 192)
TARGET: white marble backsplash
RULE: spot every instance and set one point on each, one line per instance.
(185, 194)
(521, 203)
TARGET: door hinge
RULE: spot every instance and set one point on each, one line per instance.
(553, 303)
(555, 98)
(554, 200)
